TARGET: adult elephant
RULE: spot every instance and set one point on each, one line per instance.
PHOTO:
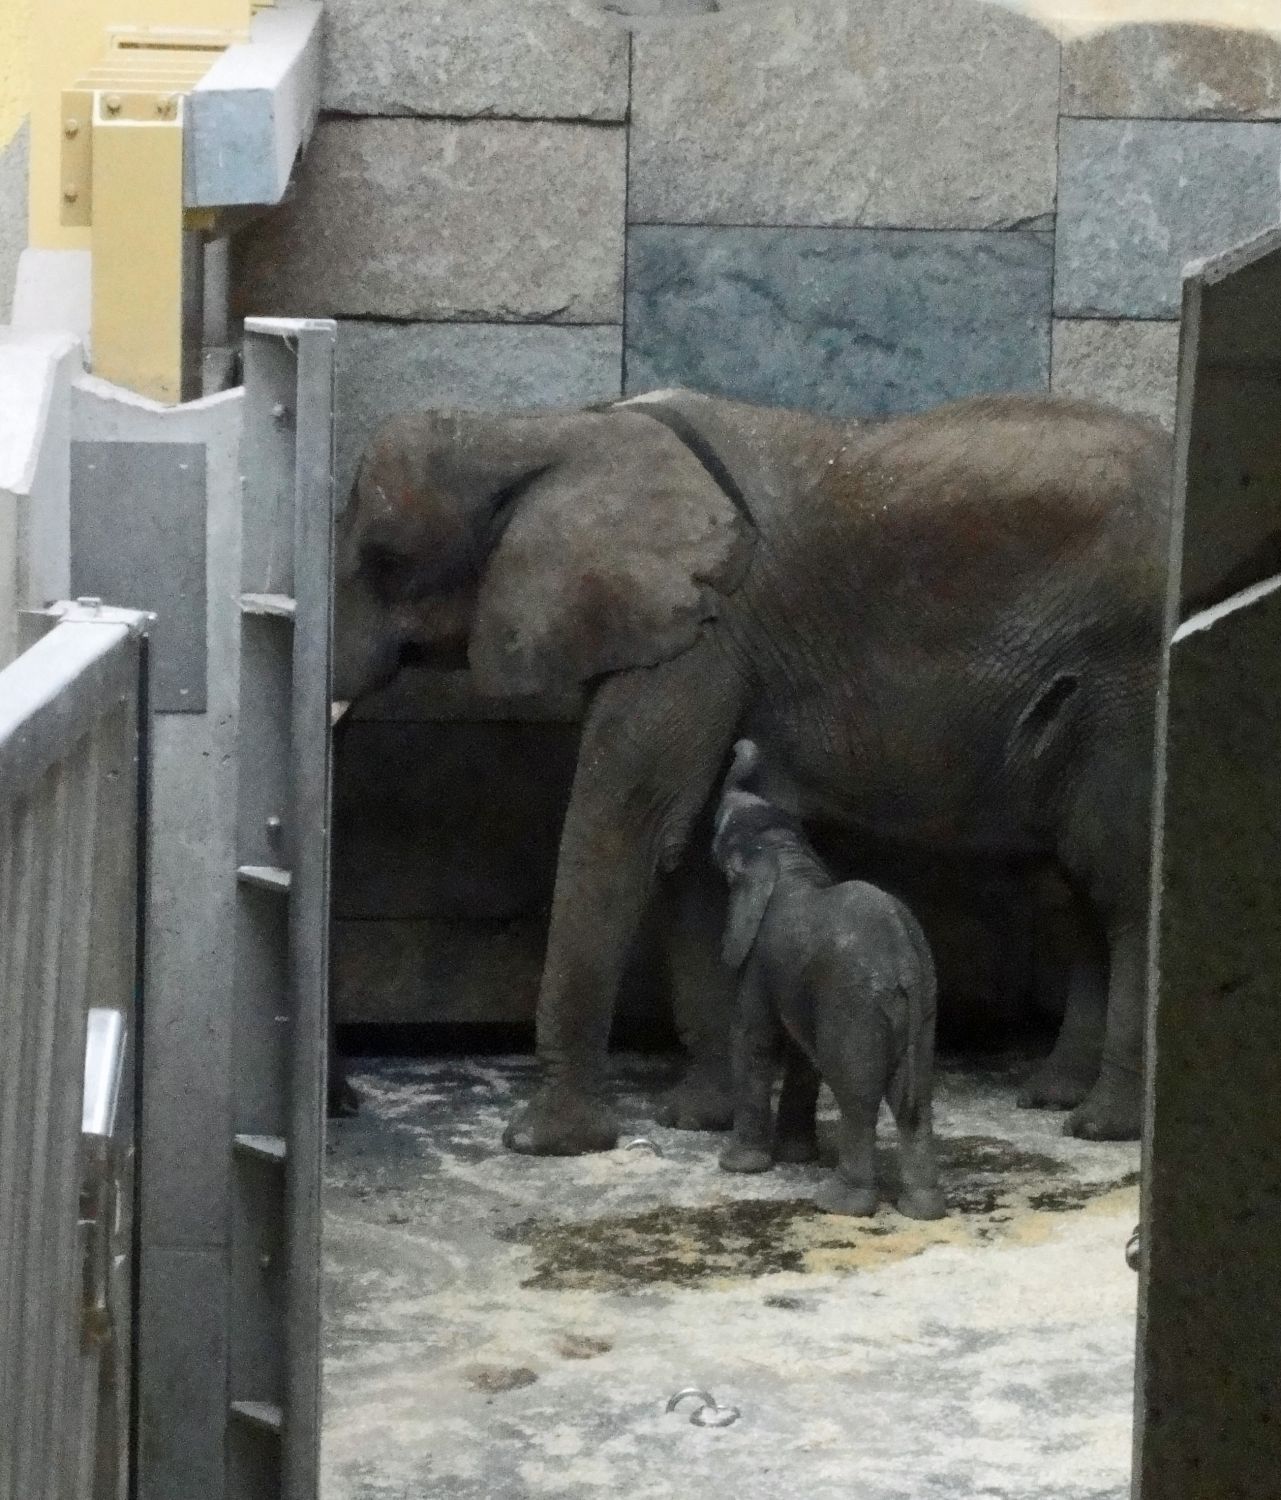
(943, 630)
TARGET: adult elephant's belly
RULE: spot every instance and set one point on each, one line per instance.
(917, 777)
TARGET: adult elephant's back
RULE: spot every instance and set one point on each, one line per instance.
(966, 596)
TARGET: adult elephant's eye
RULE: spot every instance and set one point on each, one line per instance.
(385, 569)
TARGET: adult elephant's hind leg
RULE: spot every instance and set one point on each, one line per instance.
(1112, 1110)
(1069, 1073)
(651, 749)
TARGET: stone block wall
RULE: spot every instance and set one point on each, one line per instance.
(850, 205)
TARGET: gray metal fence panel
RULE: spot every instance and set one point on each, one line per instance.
(71, 736)
(1206, 1420)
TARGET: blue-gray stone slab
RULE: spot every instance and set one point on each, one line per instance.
(1138, 199)
(838, 320)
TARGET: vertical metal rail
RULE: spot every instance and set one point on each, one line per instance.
(72, 727)
(283, 909)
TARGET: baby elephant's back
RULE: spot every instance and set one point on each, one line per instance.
(879, 939)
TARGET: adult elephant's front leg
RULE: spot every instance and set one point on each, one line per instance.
(652, 747)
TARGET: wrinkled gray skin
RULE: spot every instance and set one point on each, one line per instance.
(942, 630)
(842, 973)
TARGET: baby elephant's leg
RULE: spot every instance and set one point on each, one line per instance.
(921, 1197)
(852, 1189)
(754, 1053)
(795, 1139)
(854, 1063)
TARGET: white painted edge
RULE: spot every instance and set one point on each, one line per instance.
(52, 292)
(105, 390)
(30, 367)
(668, 395)
(1205, 619)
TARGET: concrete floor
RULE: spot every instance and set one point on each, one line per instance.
(502, 1327)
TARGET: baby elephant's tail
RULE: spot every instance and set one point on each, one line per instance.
(919, 1000)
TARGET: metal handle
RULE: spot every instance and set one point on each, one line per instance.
(105, 1046)
(708, 1412)
(1134, 1248)
(104, 1068)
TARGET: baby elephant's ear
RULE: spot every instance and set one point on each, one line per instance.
(749, 897)
(613, 559)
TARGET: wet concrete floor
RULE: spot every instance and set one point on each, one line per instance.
(500, 1327)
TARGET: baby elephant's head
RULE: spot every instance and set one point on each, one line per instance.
(743, 815)
(750, 832)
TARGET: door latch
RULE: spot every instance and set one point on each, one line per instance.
(105, 1043)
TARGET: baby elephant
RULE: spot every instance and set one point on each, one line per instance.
(841, 973)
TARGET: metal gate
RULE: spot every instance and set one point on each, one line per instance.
(197, 1375)
(282, 920)
(72, 757)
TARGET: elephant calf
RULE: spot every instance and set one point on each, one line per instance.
(846, 970)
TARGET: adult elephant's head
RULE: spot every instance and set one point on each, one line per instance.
(541, 550)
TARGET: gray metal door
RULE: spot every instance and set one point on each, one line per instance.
(1207, 1423)
(282, 917)
(72, 758)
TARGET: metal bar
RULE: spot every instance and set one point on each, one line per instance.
(31, 1199)
(310, 785)
(66, 1418)
(22, 913)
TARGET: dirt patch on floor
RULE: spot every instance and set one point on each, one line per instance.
(996, 1193)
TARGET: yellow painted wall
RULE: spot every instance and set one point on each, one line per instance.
(1075, 17)
(15, 66)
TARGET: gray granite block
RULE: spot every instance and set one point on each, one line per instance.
(838, 320)
(384, 368)
(1138, 199)
(13, 215)
(1133, 366)
(1173, 71)
(536, 59)
(899, 113)
(476, 221)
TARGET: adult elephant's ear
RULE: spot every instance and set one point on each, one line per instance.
(614, 558)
